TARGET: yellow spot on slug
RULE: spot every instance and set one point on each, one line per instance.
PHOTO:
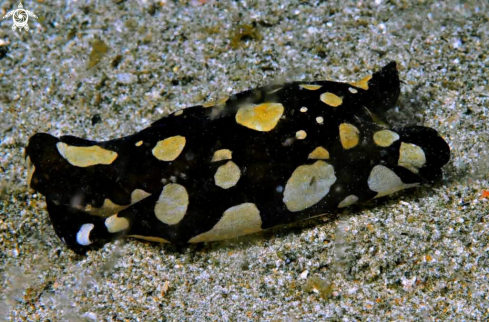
(137, 195)
(411, 157)
(319, 153)
(263, 117)
(320, 119)
(301, 135)
(348, 201)
(384, 181)
(352, 90)
(172, 204)
(116, 224)
(385, 138)
(307, 185)
(139, 143)
(310, 87)
(85, 156)
(177, 113)
(303, 109)
(169, 149)
(363, 83)
(349, 136)
(227, 175)
(331, 99)
(223, 154)
(236, 221)
(150, 239)
(110, 208)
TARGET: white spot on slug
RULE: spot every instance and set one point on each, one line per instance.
(83, 235)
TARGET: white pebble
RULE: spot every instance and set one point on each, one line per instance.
(126, 78)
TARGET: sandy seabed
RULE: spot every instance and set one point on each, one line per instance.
(420, 255)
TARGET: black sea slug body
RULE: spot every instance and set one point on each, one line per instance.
(261, 158)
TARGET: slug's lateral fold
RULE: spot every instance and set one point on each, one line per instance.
(261, 158)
